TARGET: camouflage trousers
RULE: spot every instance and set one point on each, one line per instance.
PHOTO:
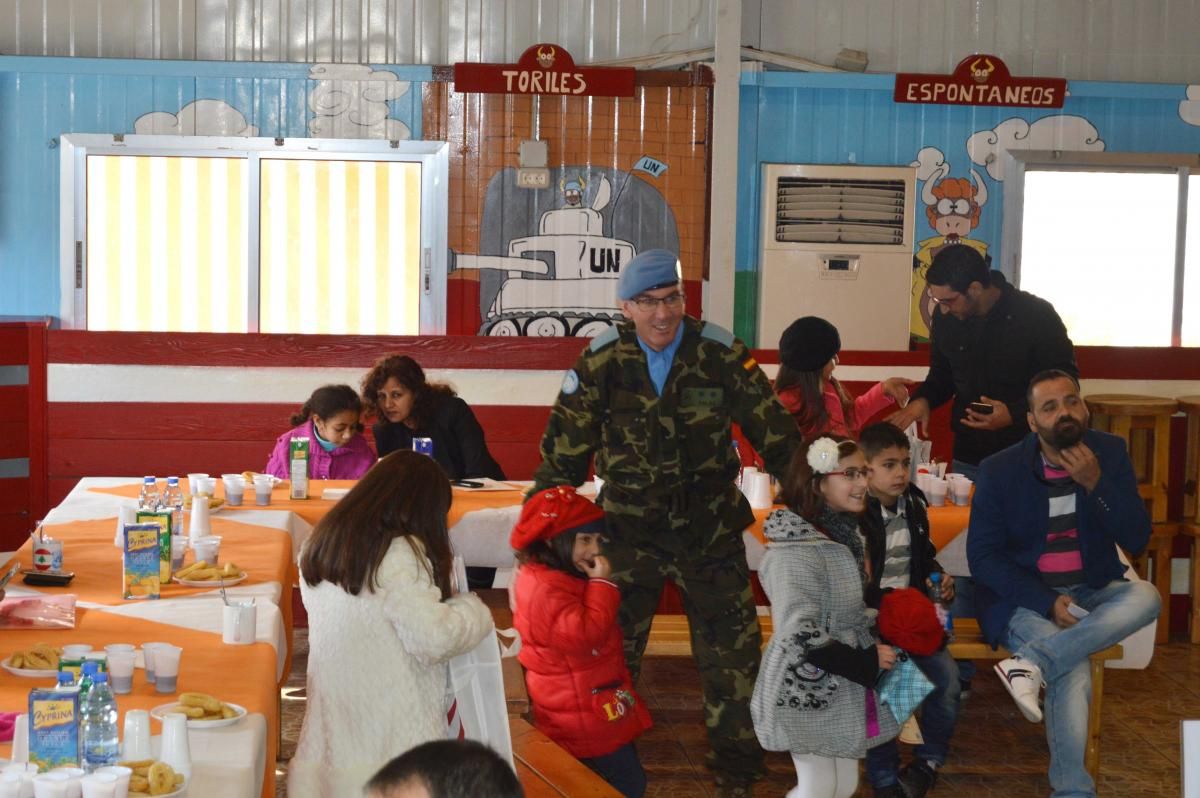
(714, 581)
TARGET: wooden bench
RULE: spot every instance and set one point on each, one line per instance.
(547, 771)
(669, 637)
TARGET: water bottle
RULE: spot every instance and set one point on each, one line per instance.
(148, 498)
(937, 596)
(98, 726)
(173, 501)
(87, 676)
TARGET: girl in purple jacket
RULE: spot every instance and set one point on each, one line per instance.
(337, 449)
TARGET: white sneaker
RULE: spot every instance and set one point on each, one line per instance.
(1023, 680)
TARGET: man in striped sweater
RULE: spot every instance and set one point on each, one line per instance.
(1046, 520)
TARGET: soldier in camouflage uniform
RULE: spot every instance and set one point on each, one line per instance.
(654, 402)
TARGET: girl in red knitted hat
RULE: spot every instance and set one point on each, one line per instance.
(566, 611)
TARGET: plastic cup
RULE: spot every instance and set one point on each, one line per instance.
(207, 548)
(100, 785)
(166, 668)
(120, 671)
(193, 482)
(74, 780)
(51, 785)
(123, 775)
(263, 485)
(937, 492)
(238, 623)
(20, 742)
(148, 650)
(126, 514)
(179, 547)
(10, 785)
(135, 742)
(961, 489)
(235, 487)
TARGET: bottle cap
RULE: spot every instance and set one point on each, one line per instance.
(101, 677)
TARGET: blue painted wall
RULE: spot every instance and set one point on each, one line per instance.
(43, 98)
(791, 117)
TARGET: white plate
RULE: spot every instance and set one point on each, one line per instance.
(213, 582)
(28, 673)
(160, 711)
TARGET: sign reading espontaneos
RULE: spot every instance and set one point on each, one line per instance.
(980, 80)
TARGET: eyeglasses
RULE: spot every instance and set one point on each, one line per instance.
(944, 300)
(670, 301)
(851, 474)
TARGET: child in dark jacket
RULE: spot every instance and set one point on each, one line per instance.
(896, 524)
(565, 608)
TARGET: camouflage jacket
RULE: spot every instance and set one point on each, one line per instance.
(649, 447)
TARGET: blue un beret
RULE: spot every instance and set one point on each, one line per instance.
(654, 268)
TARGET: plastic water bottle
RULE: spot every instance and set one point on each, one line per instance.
(938, 597)
(98, 725)
(148, 498)
(173, 501)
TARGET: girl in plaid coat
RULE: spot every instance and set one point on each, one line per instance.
(813, 697)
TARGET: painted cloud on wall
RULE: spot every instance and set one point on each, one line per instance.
(1062, 132)
(351, 102)
(931, 164)
(1189, 109)
(197, 118)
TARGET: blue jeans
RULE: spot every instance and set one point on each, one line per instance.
(964, 607)
(1116, 610)
(939, 714)
(621, 769)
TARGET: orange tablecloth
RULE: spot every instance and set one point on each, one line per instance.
(240, 674)
(944, 523)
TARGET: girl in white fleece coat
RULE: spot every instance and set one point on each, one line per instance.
(375, 579)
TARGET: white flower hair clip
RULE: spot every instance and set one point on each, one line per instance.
(823, 455)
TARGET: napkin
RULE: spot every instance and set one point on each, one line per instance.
(7, 722)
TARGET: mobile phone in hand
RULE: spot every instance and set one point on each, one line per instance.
(982, 408)
(1077, 611)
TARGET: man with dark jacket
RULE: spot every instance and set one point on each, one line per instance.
(986, 342)
(1047, 517)
(901, 553)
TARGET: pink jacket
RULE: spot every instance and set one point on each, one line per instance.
(345, 462)
(865, 407)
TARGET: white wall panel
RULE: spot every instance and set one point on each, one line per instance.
(351, 31)
(1126, 40)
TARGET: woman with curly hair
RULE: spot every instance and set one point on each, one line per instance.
(406, 406)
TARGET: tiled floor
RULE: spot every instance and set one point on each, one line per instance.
(1140, 755)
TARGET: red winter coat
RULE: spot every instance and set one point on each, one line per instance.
(574, 661)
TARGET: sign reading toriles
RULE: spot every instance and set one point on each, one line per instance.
(980, 80)
(544, 69)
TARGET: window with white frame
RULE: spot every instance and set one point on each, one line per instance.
(195, 234)
(1114, 244)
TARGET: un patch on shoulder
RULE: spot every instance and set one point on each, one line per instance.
(570, 382)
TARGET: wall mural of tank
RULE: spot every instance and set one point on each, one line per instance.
(549, 259)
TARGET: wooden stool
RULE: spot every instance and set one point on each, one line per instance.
(1144, 423)
(1191, 502)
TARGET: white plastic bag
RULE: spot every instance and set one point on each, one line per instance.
(476, 708)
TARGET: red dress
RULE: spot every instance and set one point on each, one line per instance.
(574, 661)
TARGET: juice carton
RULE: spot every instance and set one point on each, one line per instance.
(53, 728)
(163, 519)
(298, 454)
(142, 561)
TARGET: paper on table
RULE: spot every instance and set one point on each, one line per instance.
(486, 484)
(333, 494)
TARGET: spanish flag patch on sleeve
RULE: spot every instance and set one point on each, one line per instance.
(749, 363)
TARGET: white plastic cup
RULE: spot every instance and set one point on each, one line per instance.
(135, 742)
(52, 785)
(120, 671)
(961, 489)
(74, 780)
(194, 482)
(239, 619)
(148, 650)
(937, 491)
(207, 548)
(263, 485)
(235, 487)
(100, 785)
(759, 491)
(123, 775)
(179, 547)
(126, 514)
(10, 784)
(166, 668)
(20, 741)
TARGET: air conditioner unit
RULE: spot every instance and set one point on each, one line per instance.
(837, 242)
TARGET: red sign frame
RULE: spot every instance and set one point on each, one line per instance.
(544, 69)
(980, 80)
